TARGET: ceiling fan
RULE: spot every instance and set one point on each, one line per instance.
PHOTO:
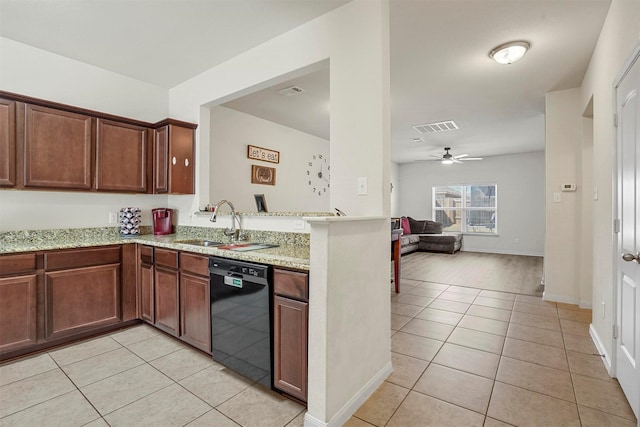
(448, 158)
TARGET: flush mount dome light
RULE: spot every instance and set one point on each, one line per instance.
(509, 53)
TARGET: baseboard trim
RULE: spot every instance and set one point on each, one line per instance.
(586, 304)
(606, 358)
(343, 415)
(560, 298)
(502, 252)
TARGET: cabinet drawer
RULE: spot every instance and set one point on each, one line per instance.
(291, 283)
(195, 264)
(166, 258)
(15, 264)
(146, 254)
(81, 258)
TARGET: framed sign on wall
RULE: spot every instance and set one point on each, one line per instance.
(259, 153)
(263, 175)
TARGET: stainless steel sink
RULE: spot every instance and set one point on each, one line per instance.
(198, 242)
(246, 247)
(239, 246)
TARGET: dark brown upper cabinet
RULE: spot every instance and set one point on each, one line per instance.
(7, 143)
(174, 158)
(122, 157)
(55, 150)
(46, 145)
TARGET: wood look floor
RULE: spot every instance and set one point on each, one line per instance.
(506, 273)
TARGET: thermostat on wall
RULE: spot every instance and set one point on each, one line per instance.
(568, 187)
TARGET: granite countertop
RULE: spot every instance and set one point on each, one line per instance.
(293, 249)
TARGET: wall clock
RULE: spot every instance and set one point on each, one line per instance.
(318, 174)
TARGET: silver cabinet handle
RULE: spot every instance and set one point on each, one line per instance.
(631, 257)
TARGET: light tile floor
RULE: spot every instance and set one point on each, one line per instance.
(461, 357)
(135, 377)
(472, 357)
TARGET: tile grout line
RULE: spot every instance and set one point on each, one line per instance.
(78, 388)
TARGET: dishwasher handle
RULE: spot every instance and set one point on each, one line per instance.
(234, 280)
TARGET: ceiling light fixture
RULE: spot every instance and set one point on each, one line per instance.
(509, 53)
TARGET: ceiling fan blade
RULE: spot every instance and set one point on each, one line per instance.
(472, 158)
(454, 160)
(435, 157)
(461, 156)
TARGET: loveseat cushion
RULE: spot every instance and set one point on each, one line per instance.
(425, 226)
(404, 224)
(409, 238)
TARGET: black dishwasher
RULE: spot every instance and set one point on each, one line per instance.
(242, 317)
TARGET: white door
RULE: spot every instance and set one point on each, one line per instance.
(628, 257)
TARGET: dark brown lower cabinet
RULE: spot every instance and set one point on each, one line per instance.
(290, 332)
(53, 297)
(147, 296)
(195, 311)
(18, 312)
(166, 300)
(81, 298)
(145, 284)
(290, 319)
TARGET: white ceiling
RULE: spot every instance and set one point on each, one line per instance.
(439, 64)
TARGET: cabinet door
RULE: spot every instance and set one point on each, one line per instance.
(181, 160)
(166, 300)
(7, 143)
(195, 311)
(57, 149)
(161, 160)
(18, 302)
(81, 298)
(121, 156)
(146, 293)
(290, 332)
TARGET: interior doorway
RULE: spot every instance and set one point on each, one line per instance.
(627, 250)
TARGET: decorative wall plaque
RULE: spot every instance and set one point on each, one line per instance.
(263, 175)
(264, 154)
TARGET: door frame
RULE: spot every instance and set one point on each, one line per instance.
(624, 70)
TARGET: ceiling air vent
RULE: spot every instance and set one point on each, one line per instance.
(437, 127)
(293, 90)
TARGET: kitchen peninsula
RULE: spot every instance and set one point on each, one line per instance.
(58, 286)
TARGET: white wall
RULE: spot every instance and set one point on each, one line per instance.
(520, 180)
(35, 72)
(355, 40)
(585, 215)
(40, 74)
(230, 169)
(618, 37)
(563, 148)
(395, 192)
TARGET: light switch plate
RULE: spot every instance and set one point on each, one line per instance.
(362, 186)
(557, 197)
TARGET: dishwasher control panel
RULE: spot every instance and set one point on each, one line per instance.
(239, 269)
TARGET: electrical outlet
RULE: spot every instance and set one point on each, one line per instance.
(298, 225)
(113, 217)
